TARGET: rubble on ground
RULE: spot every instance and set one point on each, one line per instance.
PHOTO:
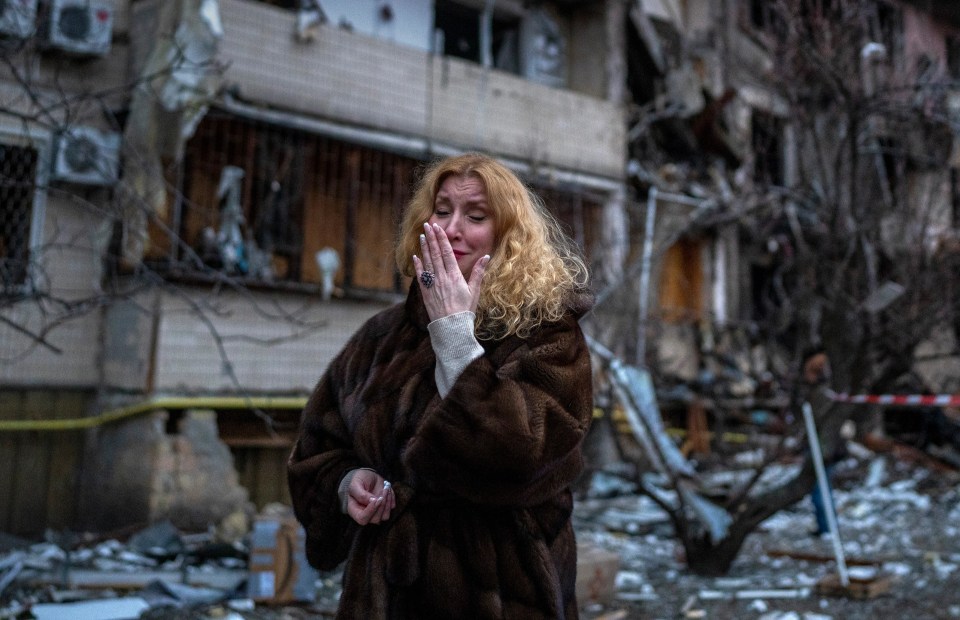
(899, 525)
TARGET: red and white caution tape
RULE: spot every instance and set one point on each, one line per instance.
(928, 400)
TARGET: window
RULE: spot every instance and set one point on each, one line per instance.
(297, 193)
(765, 19)
(579, 214)
(458, 29)
(767, 143)
(955, 200)
(682, 285)
(953, 57)
(886, 26)
(19, 215)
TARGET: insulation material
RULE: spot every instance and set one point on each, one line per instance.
(178, 80)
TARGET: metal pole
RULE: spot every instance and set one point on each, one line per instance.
(645, 277)
(824, 490)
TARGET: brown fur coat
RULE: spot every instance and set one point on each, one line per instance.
(482, 477)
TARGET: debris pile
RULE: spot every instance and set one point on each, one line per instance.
(899, 523)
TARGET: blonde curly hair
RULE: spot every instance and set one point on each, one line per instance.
(534, 265)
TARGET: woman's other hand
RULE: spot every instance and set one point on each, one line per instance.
(370, 498)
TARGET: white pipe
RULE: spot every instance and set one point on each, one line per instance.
(645, 276)
(486, 35)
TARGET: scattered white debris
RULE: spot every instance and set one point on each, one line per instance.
(128, 608)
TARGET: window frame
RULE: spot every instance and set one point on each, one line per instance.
(41, 141)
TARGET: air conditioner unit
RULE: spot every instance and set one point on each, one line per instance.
(81, 27)
(17, 18)
(87, 156)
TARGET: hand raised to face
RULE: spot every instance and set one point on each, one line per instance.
(444, 289)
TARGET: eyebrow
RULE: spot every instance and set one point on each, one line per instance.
(481, 203)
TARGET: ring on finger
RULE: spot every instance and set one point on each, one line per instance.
(427, 278)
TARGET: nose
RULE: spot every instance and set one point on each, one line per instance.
(453, 226)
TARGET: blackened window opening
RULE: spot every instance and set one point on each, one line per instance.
(18, 168)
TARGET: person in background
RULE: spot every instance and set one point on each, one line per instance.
(815, 372)
(437, 452)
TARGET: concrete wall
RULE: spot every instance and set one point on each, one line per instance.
(267, 352)
(69, 220)
(365, 81)
(70, 268)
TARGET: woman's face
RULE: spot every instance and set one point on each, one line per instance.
(461, 209)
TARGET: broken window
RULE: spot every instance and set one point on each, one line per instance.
(681, 291)
(953, 57)
(767, 138)
(762, 18)
(886, 26)
(19, 215)
(578, 213)
(459, 27)
(955, 197)
(892, 160)
(266, 203)
(296, 193)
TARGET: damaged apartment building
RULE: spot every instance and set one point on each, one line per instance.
(200, 201)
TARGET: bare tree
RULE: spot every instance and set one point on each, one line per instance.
(856, 244)
(48, 96)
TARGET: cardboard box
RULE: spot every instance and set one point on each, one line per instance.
(279, 572)
(596, 574)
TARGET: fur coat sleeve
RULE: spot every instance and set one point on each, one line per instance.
(509, 431)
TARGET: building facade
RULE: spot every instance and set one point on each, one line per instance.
(200, 199)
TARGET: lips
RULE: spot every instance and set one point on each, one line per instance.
(458, 254)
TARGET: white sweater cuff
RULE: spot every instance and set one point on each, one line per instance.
(455, 346)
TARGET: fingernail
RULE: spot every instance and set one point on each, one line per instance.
(423, 239)
(426, 225)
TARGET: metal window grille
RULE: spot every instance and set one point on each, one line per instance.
(18, 170)
(302, 191)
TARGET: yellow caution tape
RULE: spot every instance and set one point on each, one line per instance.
(199, 402)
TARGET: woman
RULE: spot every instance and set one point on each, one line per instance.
(437, 452)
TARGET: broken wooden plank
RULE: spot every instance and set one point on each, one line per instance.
(859, 589)
(718, 595)
(822, 557)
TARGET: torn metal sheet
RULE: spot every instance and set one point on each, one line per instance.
(639, 400)
(116, 609)
(716, 519)
(10, 567)
(636, 392)
(886, 294)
